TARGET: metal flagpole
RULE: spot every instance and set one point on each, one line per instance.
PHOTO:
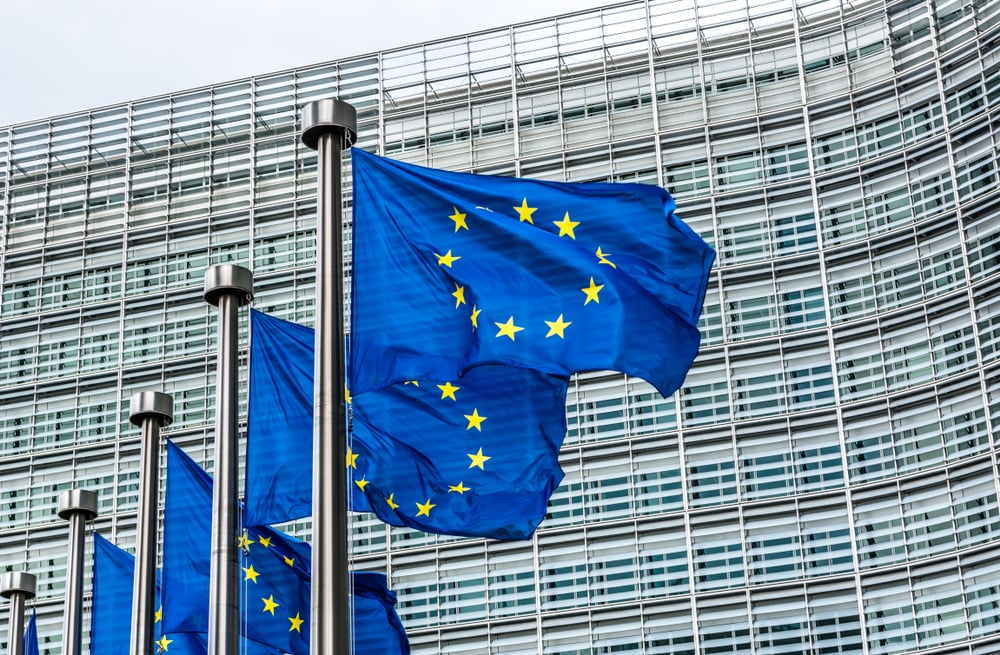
(19, 587)
(228, 287)
(328, 126)
(76, 506)
(150, 410)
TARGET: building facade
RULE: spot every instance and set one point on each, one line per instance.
(826, 480)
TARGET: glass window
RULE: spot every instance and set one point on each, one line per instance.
(779, 622)
(888, 614)
(938, 604)
(765, 461)
(562, 573)
(711, 471)
(723, 625)
(981, 577)
(906, 352)
(611, 565)
(717, 552)
(826, 535)
(833, 619)
(663, 558)
(656, 473)
(511, 571)
(859, 363)
(668, 629)
(773, 547)
(927, 516)
(816, 452)
(879, 527)
(705, 394)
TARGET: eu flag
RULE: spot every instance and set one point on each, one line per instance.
(476, 455)
(111, 621)
(30, 642)
(454, 270)
(275, 572)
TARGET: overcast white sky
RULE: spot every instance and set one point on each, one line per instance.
(61, 56)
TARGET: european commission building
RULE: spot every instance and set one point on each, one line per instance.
(826, 479)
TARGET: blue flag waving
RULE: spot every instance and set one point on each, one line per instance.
(477, 455)
(454, 270)
(30, 643)
(275, 566)
(111, 622)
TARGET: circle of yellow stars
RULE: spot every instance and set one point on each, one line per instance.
(509, 328)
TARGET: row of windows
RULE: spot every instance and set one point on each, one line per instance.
(918, 607)
(939, 342)
(895, 270)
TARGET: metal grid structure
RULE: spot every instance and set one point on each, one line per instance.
(826, 481)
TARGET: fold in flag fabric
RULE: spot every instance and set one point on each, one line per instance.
(474, 456)
(111, 617)
(30, 643)
(275, 575)
(455, 270)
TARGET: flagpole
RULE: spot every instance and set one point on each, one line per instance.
(19, 586)
(150, 410)
(227, 287)
(76, 506)
(329, 126)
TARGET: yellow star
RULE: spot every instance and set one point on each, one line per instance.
(390, 502)
(352, 458)
(264, 541)
(592, 292)
(508, 329)
(296, 623)
(448, 390)
(478, 459)
(158, 615)
(474, 419)
(251, 574)
(415, 383)
(163, 643)
(459, 219)
(566, 227)
(446, 259)
(288, 560)
(459, 295)
(347, 394)
(603, 258)
(425, 509)
(460, 488)
(557, 327)
(362, 483)
(524, 212)
(244, 542)
(475, 317)
(269, 604)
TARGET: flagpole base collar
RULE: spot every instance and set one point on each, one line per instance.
(225, 279)
(151, 404)
(329, 115)
(74, 501)
(17, 582)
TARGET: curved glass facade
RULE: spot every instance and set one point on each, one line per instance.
(825, 482)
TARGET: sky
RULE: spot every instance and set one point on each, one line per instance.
(63, 56)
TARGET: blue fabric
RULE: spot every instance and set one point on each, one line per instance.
(111, 614)
(30, 643)
(187, 544)
(435, 250)
(111, 623)
(412, 445)
(276, 567)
